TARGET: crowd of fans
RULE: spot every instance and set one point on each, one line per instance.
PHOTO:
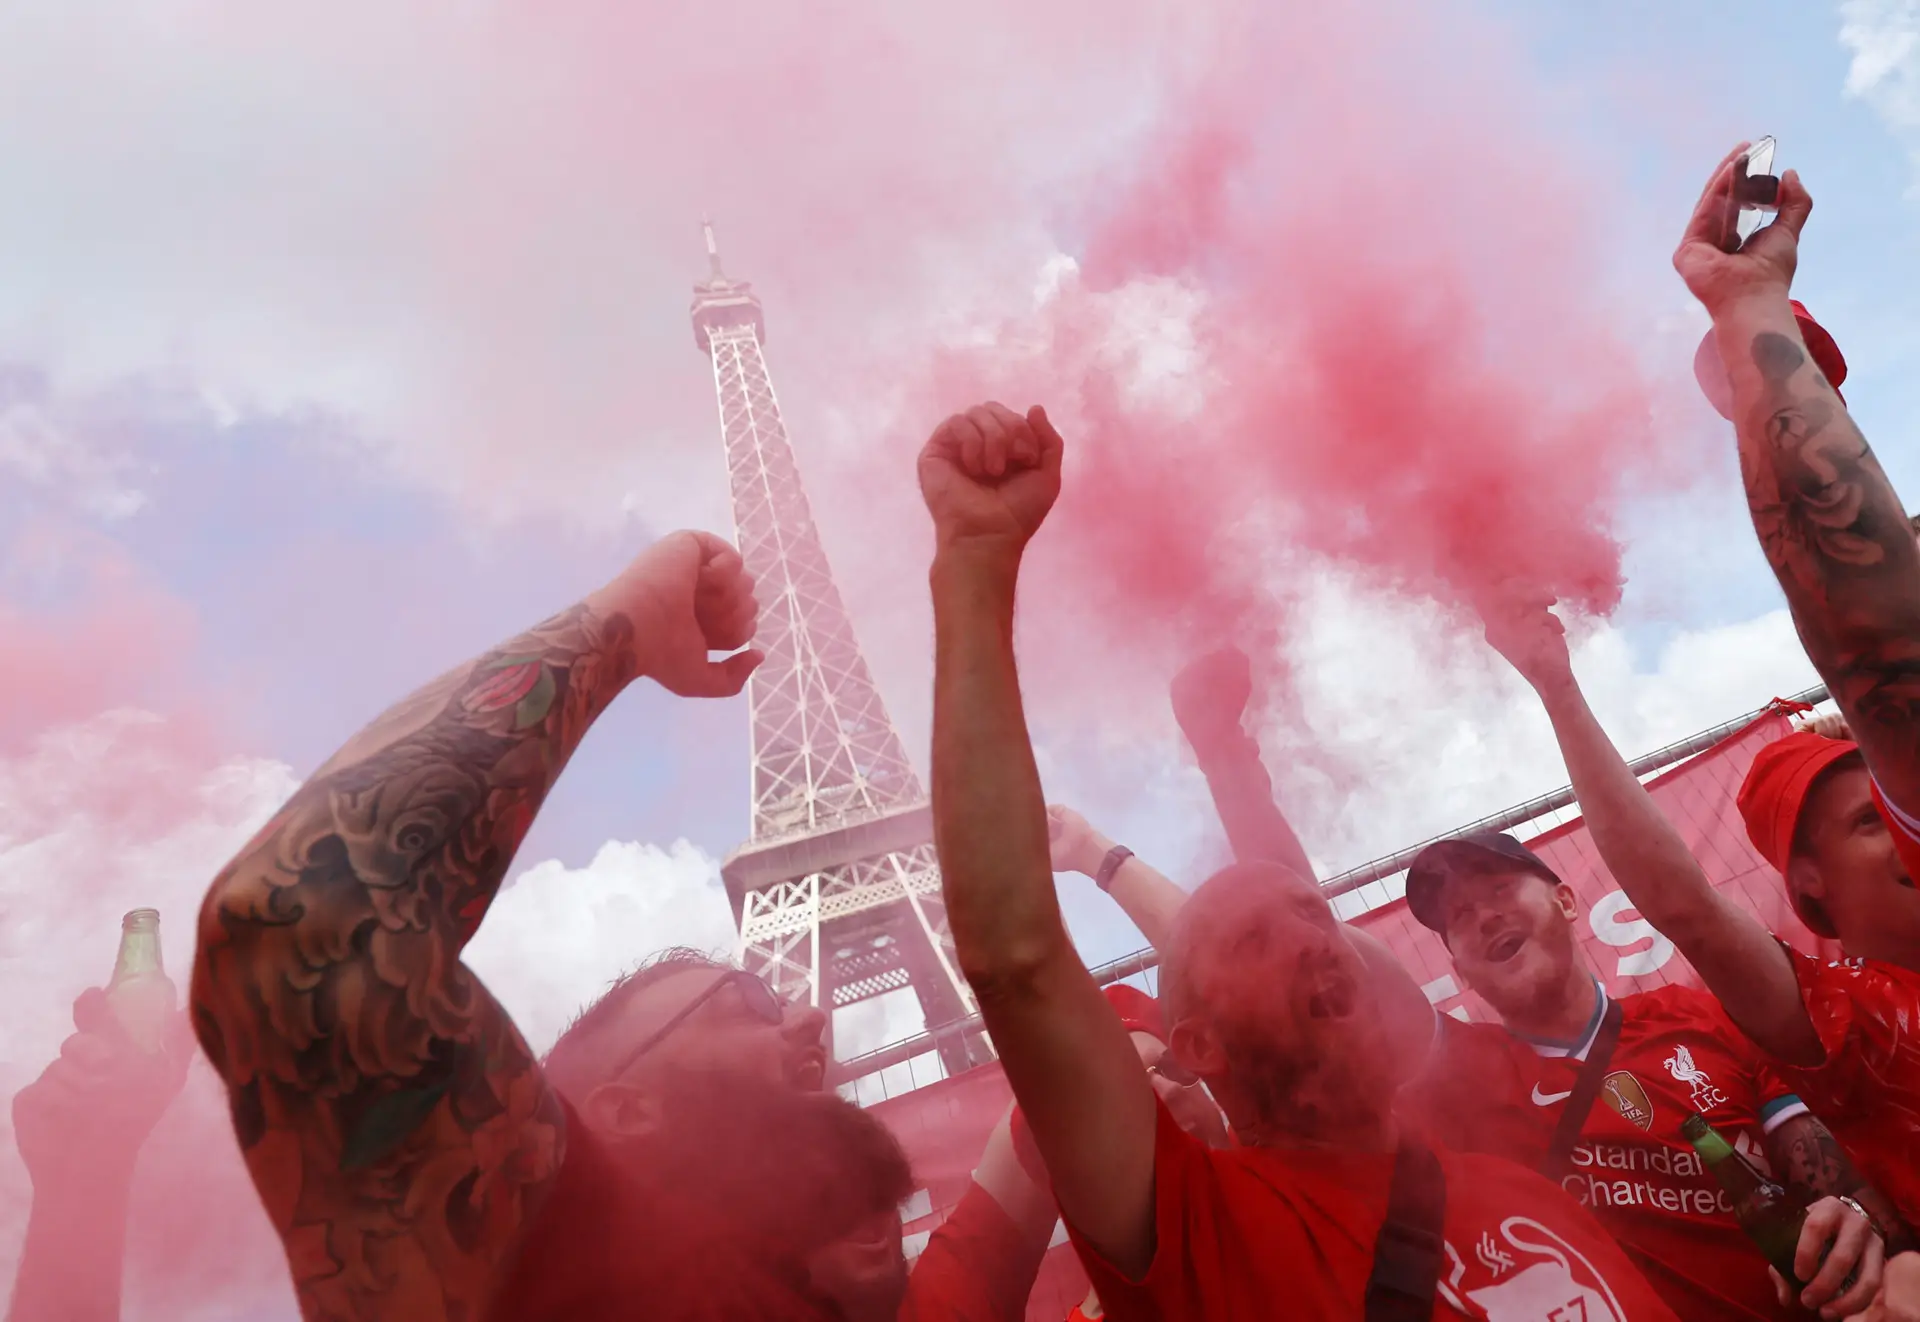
(1289, 1130)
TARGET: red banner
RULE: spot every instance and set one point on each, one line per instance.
(945, 1126)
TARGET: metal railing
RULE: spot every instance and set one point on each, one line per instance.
(896, 1053)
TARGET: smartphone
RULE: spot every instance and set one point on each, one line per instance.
(1756, 187)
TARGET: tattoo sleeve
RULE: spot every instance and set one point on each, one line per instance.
(395, 1122)
(1836, 536)
(1809, 1160)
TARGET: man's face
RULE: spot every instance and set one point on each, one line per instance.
(725, 1033)
(1188, 1103)
(1276, 984)
(1855, 869)
(1511, 935)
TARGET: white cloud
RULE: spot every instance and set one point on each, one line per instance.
(1883, 38)
(557, 936)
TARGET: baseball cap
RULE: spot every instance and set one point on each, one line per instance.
(1711, 372)
(1139, 1012)
(1774, 793)
(1427, 876)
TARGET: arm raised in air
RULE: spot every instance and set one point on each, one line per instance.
(1735, 955)
(989, 477)
(395, 1123)
(1831, 526)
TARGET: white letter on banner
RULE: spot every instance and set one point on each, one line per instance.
(1607, 925)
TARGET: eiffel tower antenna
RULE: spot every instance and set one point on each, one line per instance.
(837, 891)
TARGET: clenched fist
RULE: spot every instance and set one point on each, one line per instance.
(989, 476)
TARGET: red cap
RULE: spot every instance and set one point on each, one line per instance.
(1139, 1012)
(1775, 791)
(1711, 373)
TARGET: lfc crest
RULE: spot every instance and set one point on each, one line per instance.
(1705, 1096)
(1625, 1095)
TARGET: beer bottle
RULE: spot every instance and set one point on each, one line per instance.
(1762, 1205)
(140, 994)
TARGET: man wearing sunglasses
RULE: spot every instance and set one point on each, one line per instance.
(416, 1159)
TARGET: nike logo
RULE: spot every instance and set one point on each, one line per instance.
(1549, 1098)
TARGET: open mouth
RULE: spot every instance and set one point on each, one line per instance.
(1505, 946)
(809, 1072)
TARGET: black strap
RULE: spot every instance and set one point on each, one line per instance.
(1585, 1089)
(1408, 1252)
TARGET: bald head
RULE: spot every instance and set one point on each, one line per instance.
(1271, 1003)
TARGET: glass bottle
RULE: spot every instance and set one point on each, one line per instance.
(140, 994)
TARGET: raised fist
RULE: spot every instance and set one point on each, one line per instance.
(1210, 695)
(690, 594)
(989, 476)
(1522, 627)
(91, 1109)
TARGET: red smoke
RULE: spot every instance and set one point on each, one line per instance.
(1402, 355)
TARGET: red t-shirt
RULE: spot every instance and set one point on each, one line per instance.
(1259, 1233)
(1867, 1090)
(1489, 1090)
(977, 1267)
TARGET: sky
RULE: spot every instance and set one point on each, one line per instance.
(337, 344)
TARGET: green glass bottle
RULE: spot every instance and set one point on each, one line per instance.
(1761, 1204)
(140, 994)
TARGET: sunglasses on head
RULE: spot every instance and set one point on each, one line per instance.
(760, 1000)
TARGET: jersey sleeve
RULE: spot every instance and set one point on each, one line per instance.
(977, 1267)
(1861, 1019)
(1186, 1199)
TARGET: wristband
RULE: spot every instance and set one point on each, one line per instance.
(1103, 876)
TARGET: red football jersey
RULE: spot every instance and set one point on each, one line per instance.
(1260, 1233)
(1868, 1088)
(1490, 1090)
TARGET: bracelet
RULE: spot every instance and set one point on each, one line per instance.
(1103, 876)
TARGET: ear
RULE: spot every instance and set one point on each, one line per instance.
(1194, 1046)
(1569, 902)
(1806, 889)
(623, 1110)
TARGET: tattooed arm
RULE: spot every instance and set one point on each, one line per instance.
(1812, 1164)
(394, 1120)
(1837, 1244)
(1829, 522)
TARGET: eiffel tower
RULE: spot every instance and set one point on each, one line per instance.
(837, 892)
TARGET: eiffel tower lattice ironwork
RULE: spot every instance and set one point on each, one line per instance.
(837, 892)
